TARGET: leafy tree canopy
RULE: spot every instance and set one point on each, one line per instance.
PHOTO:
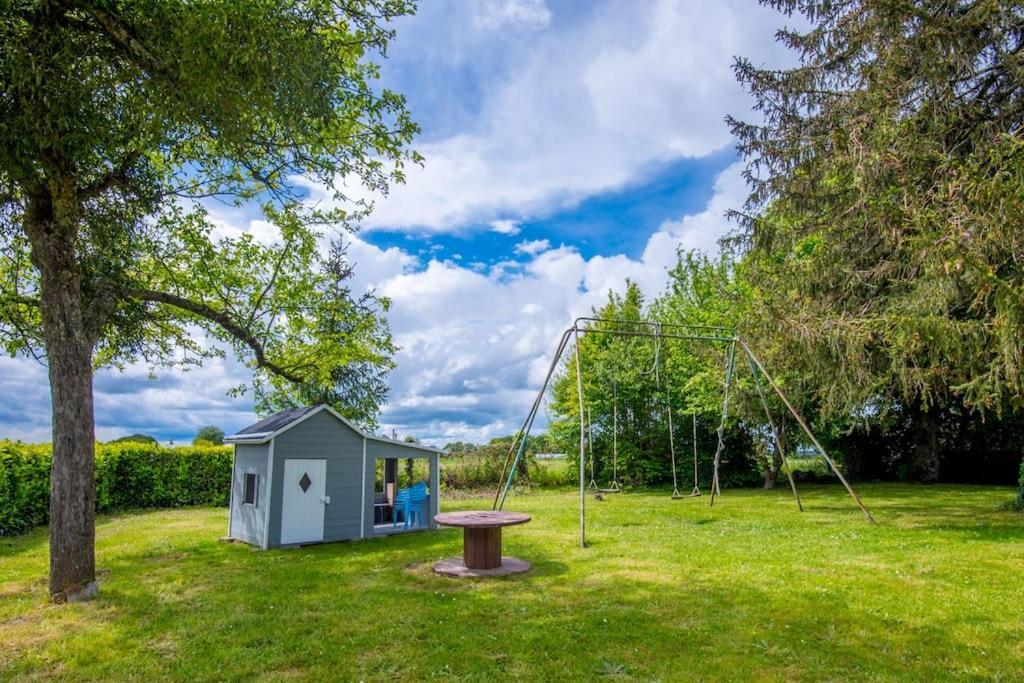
(210, 434)
(119, 116)
(123, 122)
(885, 221)
(135, 438)
(631, 383)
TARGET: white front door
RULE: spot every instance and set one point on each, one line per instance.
(302, 506)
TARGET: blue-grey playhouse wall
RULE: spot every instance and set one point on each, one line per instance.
(247, 521)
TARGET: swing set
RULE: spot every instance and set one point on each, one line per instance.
(659, 332)
(614, 486)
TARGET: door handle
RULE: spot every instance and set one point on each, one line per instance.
(326, 500)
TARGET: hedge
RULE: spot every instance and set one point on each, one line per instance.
(128, 475)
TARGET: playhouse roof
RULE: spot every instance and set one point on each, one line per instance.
(275, 421)
(269, 427)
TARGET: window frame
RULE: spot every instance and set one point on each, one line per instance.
(255, 488)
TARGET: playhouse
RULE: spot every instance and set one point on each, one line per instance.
(308, 475)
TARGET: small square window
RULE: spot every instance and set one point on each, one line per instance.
(249, 488)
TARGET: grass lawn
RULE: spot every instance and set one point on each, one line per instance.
(668, 590)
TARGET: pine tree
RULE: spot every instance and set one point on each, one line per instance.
(885, 224)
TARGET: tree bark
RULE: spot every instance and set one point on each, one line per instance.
(771, 475)
(51, 224)
(926, 457)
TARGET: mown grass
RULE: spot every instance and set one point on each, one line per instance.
(668, 590)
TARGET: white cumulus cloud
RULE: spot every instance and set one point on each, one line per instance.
(505, 226)
(586, 109)
(533, 247)
(494, 14)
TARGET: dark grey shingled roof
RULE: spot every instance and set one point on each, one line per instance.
(276, 421)
(263, 431)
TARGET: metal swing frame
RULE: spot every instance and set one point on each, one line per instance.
(638, 328)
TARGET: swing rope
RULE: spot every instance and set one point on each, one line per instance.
(729, 363)
(588, 434)
(696, 487)
(672, 449)
(671, 428)
(614, 487)
(590, 446)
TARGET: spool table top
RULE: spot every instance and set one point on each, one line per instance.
(481, 519)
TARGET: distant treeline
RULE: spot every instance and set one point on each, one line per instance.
(130, 474)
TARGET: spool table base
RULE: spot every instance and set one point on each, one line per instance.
(456, 567)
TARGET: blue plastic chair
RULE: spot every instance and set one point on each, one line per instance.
(401, 505)
(409, 502)
(414, 504)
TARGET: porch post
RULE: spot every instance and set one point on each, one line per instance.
(435, 488)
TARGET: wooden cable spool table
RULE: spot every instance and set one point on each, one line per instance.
(481, 544)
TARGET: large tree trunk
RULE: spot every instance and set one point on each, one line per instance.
(926, 456)
(52, 229)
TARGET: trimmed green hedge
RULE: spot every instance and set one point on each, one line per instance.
(128, 475)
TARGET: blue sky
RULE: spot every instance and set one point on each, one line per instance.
(568, 146)
(619, 221)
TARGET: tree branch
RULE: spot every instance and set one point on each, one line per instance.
(116, 177)
(124, 36)
(19, 300)
(223, 320)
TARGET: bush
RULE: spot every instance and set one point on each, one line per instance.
(143, 438)
(128, 475)
(209, 434)
(470, 472)
(551, 474)
(811, 470)
(24, 487)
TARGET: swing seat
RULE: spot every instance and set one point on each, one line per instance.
(614, 488)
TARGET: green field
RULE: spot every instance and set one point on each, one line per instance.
(668, 590)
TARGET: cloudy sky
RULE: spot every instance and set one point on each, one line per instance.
(569, 145)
